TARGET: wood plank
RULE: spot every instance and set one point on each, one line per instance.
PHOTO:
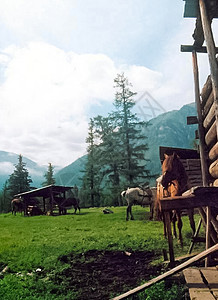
(193, 278)
(213, 153)
(213, 169)
(215, 183)
(201, 294)
(190, 48)
(211, 136)
(208, 104)
(211, 276)
(210, 44)
(209, 119)
(206, 91)
(185, 202)
(202, 145)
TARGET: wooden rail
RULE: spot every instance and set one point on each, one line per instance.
(173, 271)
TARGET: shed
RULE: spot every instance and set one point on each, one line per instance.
(50, 196)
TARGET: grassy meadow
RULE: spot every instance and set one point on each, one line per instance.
(33, 245)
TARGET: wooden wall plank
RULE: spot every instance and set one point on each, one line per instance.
(213, 153)
(213, 169)
(208, 104)
(206, 90)
(210, 117)
(211, 135)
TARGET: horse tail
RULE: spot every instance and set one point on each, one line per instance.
(123, 194)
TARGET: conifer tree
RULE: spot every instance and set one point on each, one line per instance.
(19, 181)
(129, 126)
(49, 176)
(92, 177)
(110, 157)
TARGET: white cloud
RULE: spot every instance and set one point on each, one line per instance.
(6, 168)
(46, 96)
(47, 91)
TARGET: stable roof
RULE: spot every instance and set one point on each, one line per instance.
(181, 152)
(44, 191)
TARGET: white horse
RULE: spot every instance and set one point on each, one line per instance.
(141, 196)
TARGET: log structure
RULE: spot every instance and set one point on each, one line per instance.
(206, 99)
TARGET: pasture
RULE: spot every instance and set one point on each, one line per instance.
(64, 257)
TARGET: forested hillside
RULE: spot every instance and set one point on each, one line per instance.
(168, 129)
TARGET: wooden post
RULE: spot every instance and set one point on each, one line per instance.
(51, 201)
(211, 50)
(207, 260)
(204, 167)
(195, 236)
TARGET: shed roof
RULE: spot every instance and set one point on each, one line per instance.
(181, 152)
(192, 8)
(44, 191)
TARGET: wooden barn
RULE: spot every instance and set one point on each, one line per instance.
(48, 198)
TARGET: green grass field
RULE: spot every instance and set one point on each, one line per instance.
(31, 243)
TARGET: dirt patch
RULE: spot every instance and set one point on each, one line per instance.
(103, 274)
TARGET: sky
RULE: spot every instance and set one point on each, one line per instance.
(59, 59)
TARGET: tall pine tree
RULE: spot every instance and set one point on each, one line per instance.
(49, 176)
(92, 175)
(19, 181)
(132, 143)
(110, 157)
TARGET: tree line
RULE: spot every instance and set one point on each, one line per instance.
(116, 148)
(19, 181)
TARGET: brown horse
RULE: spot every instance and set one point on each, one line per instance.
(174, 182)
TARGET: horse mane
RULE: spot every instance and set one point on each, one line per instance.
(168, 163)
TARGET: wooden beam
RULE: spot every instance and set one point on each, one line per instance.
(209, 118)
(190, 48)
(211, 50)
(208, 229)
(173, 271)
(211, 135)
(213, 154)
(202, 146)
(192, 120)
(191, 201)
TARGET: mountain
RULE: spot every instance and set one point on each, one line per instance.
(168, 129)
(8, 160)
(71, 175)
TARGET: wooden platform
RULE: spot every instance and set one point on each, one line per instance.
(202, 283)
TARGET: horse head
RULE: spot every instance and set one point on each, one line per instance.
(173, 169)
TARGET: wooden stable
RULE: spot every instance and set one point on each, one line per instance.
(207, 120)
(50, 197)
(203, 283)
(205, 198)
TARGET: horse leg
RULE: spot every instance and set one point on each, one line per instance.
(165, 227)
(174, 219)
(151, 211)
(179, 225)
(191, 220)
(127, 213)
(132, 218)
